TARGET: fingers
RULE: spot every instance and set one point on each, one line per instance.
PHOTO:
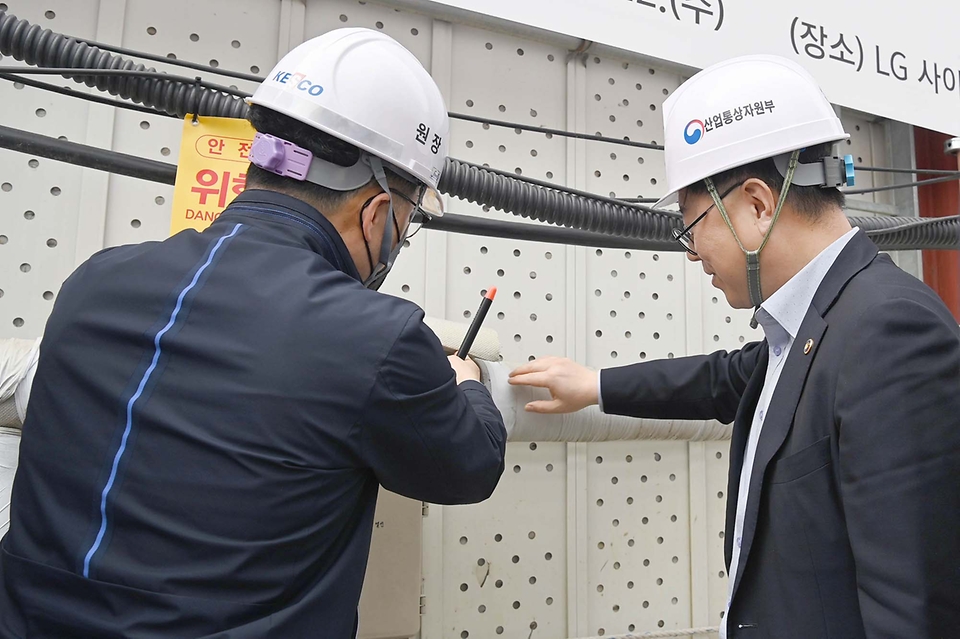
(552, 406)
(536, 366)
(540, 380)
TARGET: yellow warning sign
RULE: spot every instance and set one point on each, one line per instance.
(214, 154)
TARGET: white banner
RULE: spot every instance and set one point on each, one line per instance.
(899, 60)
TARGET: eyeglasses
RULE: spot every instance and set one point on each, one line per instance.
(428, 205)
(685, 237)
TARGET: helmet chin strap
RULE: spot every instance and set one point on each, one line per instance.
(753, 257)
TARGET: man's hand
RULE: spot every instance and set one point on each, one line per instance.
(571, 385)
(465, 369)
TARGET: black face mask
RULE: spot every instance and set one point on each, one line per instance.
(375, 280)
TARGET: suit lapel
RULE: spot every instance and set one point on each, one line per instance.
(738, 445)
(778, 421)
(857, 255)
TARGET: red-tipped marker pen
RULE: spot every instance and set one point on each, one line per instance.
(475, 324)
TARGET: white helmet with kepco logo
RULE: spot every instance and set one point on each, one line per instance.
(363, 87)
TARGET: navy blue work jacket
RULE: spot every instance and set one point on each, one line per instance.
(211, 419)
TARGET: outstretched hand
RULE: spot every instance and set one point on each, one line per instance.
(571, 385)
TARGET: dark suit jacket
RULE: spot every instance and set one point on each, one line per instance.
(852, 525)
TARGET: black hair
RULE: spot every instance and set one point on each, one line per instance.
(322, 145)
(809, 201)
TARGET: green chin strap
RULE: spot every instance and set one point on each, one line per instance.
(753, 257)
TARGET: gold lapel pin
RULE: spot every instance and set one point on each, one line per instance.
(808, 347)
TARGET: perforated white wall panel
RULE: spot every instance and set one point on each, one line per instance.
(578, 539)
(39, 199)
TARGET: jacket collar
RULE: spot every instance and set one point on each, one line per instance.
(857, 255)
(304, 220)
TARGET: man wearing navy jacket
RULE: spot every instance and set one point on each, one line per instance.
(212, 416)
(843, 506)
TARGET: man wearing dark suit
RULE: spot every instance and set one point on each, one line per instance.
(844, 513)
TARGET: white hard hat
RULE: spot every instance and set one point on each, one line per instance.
(365, 88)
(740, 111)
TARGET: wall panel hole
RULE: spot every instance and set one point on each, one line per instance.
(25, 268)
(48, 295)
(52, 243)
(18, 321)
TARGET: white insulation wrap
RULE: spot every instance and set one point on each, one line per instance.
(587, 425)
(486, 346)
(18, 362)
(9, 451)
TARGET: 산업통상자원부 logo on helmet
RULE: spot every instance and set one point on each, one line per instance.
(694, 131)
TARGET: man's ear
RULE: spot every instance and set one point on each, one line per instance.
(374, 216)
(761, 201)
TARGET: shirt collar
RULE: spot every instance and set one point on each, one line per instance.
(322, 236)
(783, 312)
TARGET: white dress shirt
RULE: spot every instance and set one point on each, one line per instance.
(780, 317)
